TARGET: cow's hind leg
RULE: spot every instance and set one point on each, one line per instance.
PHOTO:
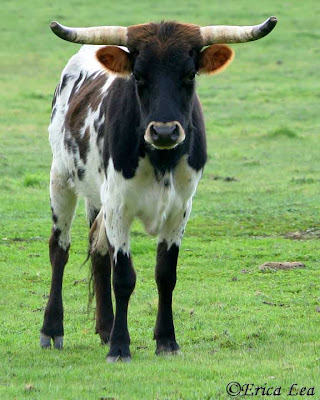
(63, 203)
(101, 273)
(117, 224)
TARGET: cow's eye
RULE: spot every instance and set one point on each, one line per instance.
(137, 77)
(191, 76)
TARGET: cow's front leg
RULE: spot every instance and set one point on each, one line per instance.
(166, 276)
(123, 280)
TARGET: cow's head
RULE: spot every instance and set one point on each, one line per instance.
(163, 60)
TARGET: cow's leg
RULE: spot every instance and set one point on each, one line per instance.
(63, 203)
(101, 272)
(117, 224)
(166, 275)
(166, 280)
(123, 280)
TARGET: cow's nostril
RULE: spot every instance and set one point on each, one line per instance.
(164, 130)
(153, 133)
(175, 132)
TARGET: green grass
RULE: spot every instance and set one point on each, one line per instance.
(233, 322)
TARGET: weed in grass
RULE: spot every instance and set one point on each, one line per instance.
(302, 181)
(283, 132)
(31, 181)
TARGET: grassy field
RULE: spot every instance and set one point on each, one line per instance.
(261, 184)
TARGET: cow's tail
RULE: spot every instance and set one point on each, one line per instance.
(97, 252)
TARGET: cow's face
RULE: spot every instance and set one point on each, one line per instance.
(163, 61)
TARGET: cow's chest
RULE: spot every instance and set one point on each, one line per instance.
(150, 197)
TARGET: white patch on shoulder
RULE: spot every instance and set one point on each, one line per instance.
(86, 60)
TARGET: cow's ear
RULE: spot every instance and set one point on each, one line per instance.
(115, 60)
(215, 59)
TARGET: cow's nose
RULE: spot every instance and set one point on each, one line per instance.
(164, 135)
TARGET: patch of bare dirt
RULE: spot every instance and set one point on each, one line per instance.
(281, 265)
(310, 233)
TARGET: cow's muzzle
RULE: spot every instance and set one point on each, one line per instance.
(164, 135)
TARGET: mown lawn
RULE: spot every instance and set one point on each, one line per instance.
(258, 201)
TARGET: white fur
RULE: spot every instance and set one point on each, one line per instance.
(161, 208)
(63, 202)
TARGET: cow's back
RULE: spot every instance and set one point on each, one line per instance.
(76, 128)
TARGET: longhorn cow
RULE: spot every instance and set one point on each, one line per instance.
(127, 134)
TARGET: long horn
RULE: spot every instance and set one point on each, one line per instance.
(236, 34)
(116, 35)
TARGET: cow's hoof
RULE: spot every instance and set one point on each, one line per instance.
(58, 342)
(169, 347)
(45, 341)
(111, 359)
(119, 353)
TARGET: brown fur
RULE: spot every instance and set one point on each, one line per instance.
(87, 96)
(115, 60)
(83, 144)
(164, 35)
(215, 59)
(160, 38)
